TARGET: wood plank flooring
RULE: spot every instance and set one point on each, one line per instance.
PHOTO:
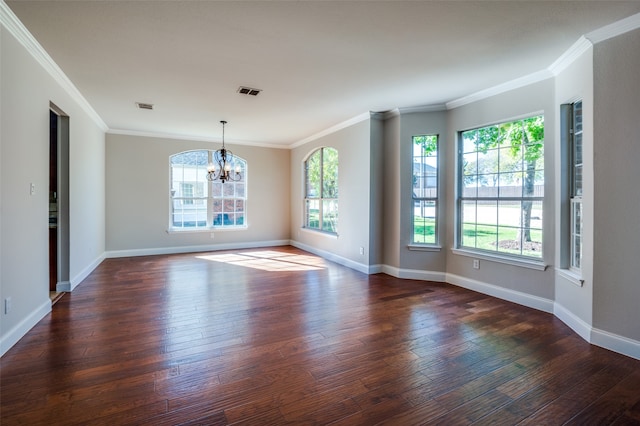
(277, 336)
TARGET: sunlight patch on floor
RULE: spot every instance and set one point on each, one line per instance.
(269, 260)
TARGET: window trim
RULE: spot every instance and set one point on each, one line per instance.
(414, 245)
(523, 260)
(208, 200)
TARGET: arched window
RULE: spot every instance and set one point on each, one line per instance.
(321, 190)
(199, 203)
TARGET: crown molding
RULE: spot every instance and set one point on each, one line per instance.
(172, 136)
(615, 29)
(348, 123)
(501, 88)
(13, 25)
(569, 56)
(422, 108)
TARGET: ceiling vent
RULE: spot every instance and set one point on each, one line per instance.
(142, 105)
(248, 91)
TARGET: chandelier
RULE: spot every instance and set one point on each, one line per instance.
(223, 163)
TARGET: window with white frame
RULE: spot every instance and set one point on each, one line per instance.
(501, 188)
(575, 183)
(424, 190)
(321, 190)
(197, 203)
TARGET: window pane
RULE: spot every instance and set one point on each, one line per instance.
(468, 219)
(469, 186)
(470, 164)
(470, 141)
(577, 116)
(577, 181)
(329, 173)
(228, 189)
(312, 214)
(330, 215)
(577, 252)
(577, 148)
(313, 178)
(240, 190)
(424, 222)
(510, 184)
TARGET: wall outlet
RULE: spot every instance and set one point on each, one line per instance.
(7, 305)
(32, 189)
(361, 250)
(476, 264)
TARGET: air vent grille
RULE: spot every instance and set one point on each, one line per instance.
(248, 91)
(143, 105)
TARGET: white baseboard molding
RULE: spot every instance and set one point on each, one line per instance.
(535, 302)
(360, 267)
(614, 342)
(85, 272)
(16, 333)
(414, 274)
(581, 327)
(194, 249)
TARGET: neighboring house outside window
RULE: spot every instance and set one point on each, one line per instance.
(424, 190)
(197, 203)
(321, 190)
(501, 188)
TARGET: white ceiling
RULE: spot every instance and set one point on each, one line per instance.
(319, 63)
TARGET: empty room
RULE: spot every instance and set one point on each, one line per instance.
(319, 212)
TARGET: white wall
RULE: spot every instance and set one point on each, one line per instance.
(392, 219)
(414, 124)
(138, 188)
(27, 90)
(573, 302)
(536, 286)
(616, 283)
(354, 179)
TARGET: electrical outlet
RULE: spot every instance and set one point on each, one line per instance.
(476, 264)
(32, 189)
(7, 305)
(361, 250)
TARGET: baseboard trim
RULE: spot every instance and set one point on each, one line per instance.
(20, 330)
(616, 343)
(360, 267)
(414, 274)
(194, 249)
(535, 302)
(86, 271)
(577, 324)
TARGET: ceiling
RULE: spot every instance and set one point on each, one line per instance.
(318, 63)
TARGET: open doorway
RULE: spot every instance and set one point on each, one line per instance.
(58, 203)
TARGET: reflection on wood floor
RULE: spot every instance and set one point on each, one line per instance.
(278, 336)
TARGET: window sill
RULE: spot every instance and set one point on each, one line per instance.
(423, 247)
(320, 232)
(524, 263)
(571, 276)
(204, 230)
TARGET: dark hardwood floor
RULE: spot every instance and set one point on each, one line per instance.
(278, 336)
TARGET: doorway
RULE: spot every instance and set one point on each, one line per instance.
(58, 203)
